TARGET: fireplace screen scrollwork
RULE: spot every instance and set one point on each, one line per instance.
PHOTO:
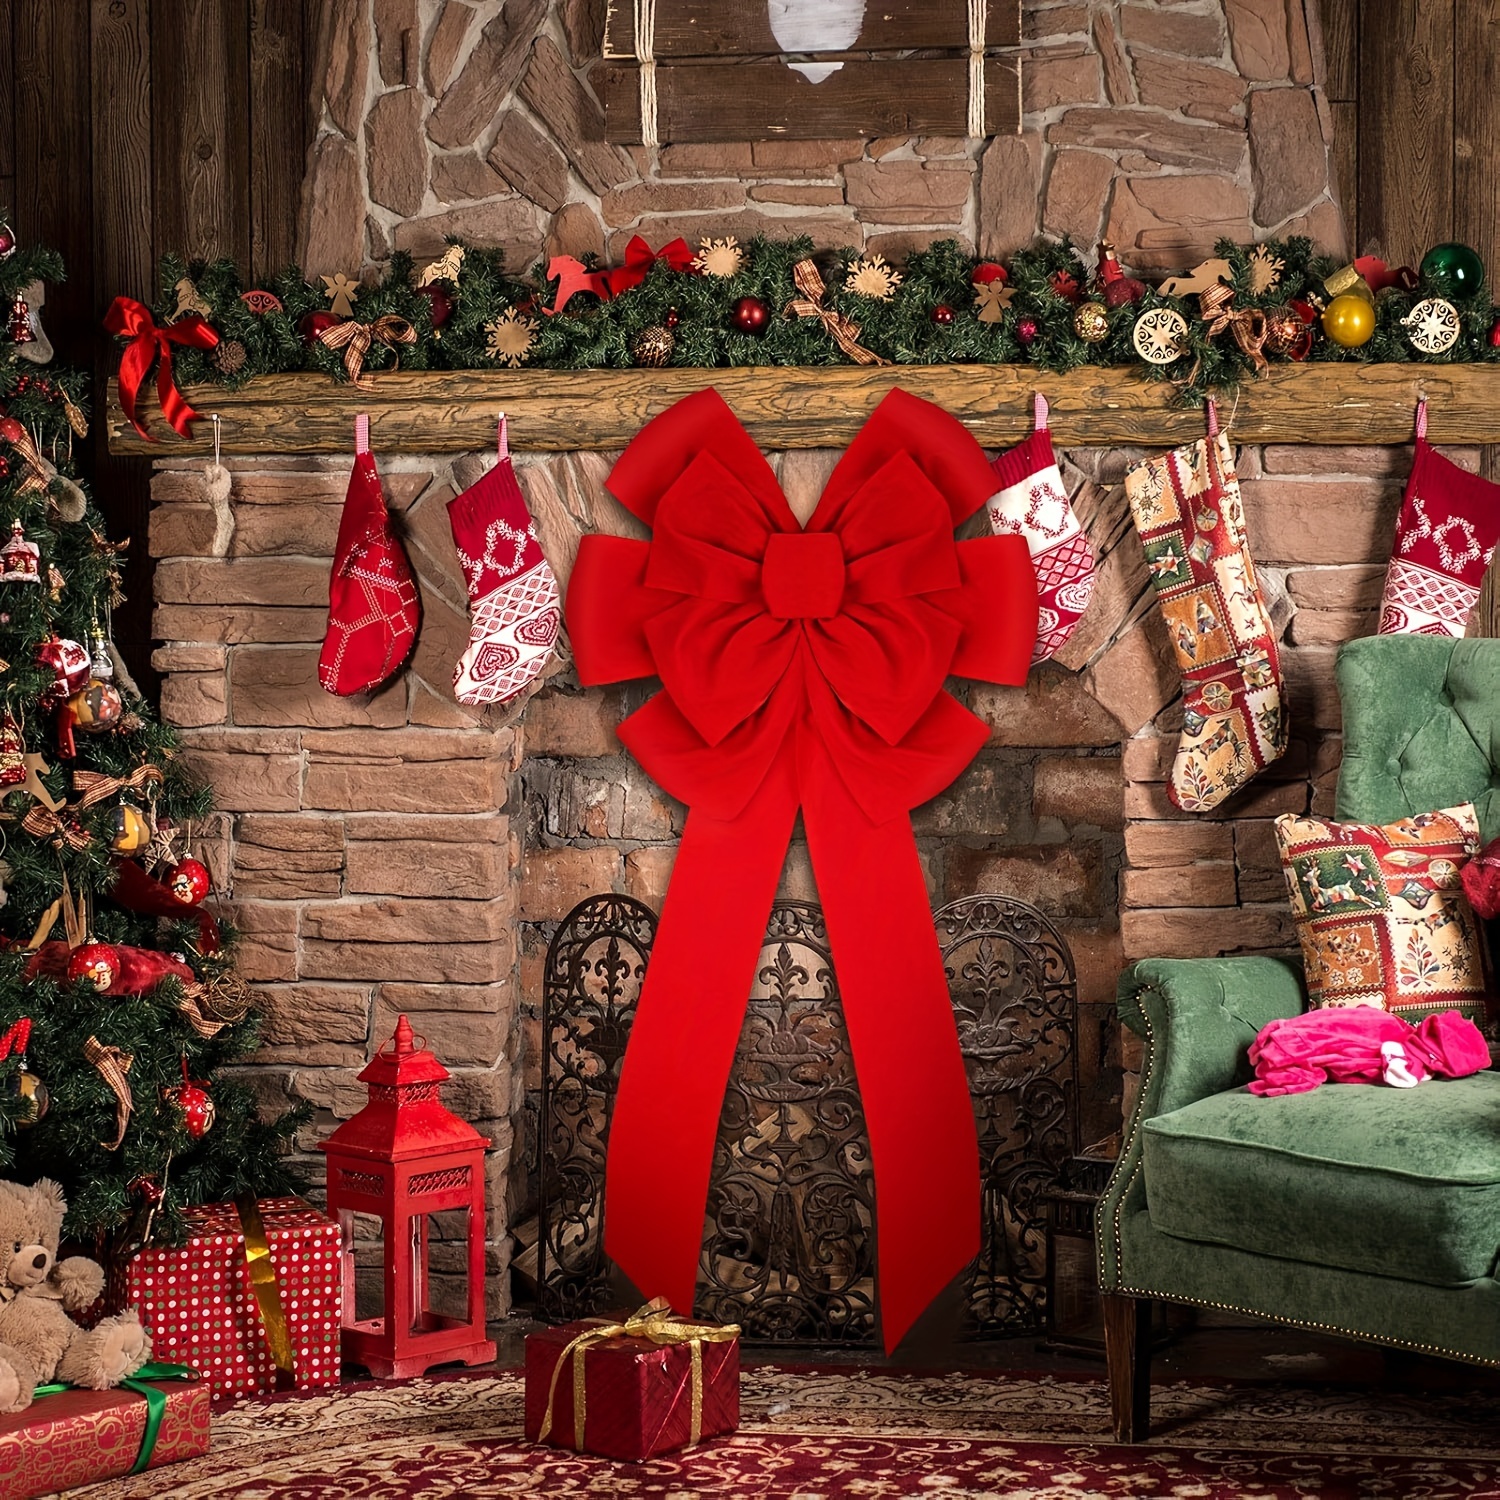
(789, 1244)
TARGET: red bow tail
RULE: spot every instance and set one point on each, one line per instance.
(148, 343)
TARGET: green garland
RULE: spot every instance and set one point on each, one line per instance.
(594, 334)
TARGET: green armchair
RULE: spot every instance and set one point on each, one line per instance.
(1357, 1210)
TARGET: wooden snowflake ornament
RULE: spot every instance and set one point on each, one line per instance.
(1432, 326)
(1160, 335)
(719, 257)
(1265, 270)
(872, 276)
(510, 338)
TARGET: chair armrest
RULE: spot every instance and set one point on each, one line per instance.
(1198, 1017)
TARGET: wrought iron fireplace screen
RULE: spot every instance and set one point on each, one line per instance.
(789, 1246)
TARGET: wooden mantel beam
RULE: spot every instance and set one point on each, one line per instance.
(453, 411)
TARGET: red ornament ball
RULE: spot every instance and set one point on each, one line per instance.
(7, 241)
(1026, 332)
(96, 962)
(314, 323)
(189, 882)
(197, 1108)
(751, 315)
(987, 271)
(1495, 335)
(149, 1189)
(942, 315)
(440, 303)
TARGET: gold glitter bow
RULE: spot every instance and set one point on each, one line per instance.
(356, 339)
(95, 787)
(1248, 324)
(843, 330)
(267, 1289)
(113, 1064)
(655, 1321)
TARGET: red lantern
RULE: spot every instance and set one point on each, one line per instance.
(403, 1158)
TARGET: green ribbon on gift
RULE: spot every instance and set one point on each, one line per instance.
(156, 1401)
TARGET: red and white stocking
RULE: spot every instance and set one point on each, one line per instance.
(373, 608)
(1187, 511)
(1445, 536)
(1032, 503)
(514, 610)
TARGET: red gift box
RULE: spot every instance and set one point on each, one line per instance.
(642, 1380)
(200, 1306)
(78, 1437)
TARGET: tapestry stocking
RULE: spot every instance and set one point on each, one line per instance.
(513, 601)
(1033, 504)
(1445, 536)
(1187, 512)
(373, 608)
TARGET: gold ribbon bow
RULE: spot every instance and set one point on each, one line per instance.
(264, 1284)
(39, 473)
(113, 1064)
(655, 1321)
(355, 339)
(1248, 324)
(42, 823)
(843, 330)
(95, 787)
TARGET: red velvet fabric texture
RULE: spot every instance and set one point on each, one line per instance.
(1481, 879)
(802, 670)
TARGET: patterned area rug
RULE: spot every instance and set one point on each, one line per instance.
(825, 1435)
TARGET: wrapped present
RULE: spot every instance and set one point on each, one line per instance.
(68, 1436)
(252, 1301)
(633, 1388)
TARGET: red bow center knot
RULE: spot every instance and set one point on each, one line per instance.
(802, 576)
(802, 671)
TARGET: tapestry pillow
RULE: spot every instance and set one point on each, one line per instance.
(1381, 912)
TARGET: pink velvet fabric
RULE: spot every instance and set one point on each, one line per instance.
(1360, 1044)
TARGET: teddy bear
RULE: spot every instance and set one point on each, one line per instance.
(39, 1341)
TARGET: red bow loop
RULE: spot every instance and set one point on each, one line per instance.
(640, 257)
(132, 320)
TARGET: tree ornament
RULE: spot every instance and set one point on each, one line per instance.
(20, 560)
(342, 293)
(195, 1104)
(229, 357)
(12, 750)
(23, 1084)
(1065, 284)
(7, 241)
(99, 963)
(1453, 269)
(1026, 331)
(510, 338)
(872, 276)
(261, 303)
(1349, 320)
(189, 882)
(1160, 335)
(1283, 329)
(1432, 326)
(942, 315)
(1118, 289)
(20, 330)
(445, 268)
(719, 257)
(149, 1190)
(70, 665)
(1265, 270)
(751, 315)
(1495, 334)
(312, 325)
(991, 294)
(132, 832)
(439, 304)
(96, 707)
(1199, 279)
(188, 301)
(1091, 323)
(652, 347)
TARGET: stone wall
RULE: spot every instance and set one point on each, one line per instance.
(1162, 125)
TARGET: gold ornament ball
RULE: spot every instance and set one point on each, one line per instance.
(97, 709)
(132, 832)
(1091, 322)
(1283, 329)
(29, 1087)
(1349, 321)
(652, 347)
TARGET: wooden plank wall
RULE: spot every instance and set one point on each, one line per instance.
(129, 128)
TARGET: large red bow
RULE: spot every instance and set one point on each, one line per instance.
(803, 668)
(133, 320)
(640, 257)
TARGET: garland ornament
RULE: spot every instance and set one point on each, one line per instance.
(356, 339)
(1247, 324)
(132, 320)
(843, 330)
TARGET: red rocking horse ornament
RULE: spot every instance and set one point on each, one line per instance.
(802, 668)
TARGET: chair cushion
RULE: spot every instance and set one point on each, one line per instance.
(1395, 1182)
(1381, 911)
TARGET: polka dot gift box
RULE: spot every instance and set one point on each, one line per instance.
(204, 1311)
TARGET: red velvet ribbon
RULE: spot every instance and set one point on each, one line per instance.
(640, 257)
(803, 670)
(132, 320)
(136, 891)
(141, 969)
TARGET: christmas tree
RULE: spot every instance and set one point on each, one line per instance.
(119, 1003)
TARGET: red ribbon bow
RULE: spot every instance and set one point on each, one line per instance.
(640, 257)
(132, 320)
(803, 669)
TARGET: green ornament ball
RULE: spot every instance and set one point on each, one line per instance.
(1454, 267)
